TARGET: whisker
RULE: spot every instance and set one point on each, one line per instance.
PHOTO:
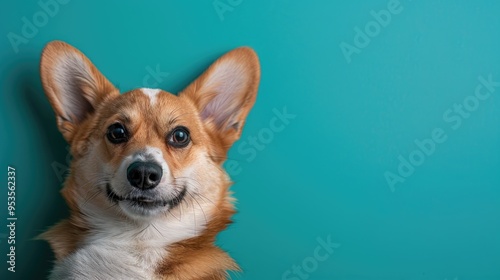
(89, 198)
(205, 198)
(157, 229)
(169, 211)
(198, 186)
(223, 158)
(194, 219)
(143, 230)
(201, 208)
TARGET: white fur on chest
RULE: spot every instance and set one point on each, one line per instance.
(139, 250)
(125, 250)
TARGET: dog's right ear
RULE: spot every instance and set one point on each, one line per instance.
(73, 85)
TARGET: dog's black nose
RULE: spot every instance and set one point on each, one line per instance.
(144, 175)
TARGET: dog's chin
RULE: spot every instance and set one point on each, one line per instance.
(144, 205)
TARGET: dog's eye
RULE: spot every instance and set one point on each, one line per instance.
(179, 137)
(117, 133)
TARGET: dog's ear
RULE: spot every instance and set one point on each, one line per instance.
(225, 93)
(73, 85)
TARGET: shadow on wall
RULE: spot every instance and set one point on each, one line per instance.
(39, 203)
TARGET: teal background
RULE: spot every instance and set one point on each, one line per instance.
(323, 174)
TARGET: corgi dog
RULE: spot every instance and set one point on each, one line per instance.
(147, 192)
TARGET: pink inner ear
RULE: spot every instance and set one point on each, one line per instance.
(70, 74)
(228, 83)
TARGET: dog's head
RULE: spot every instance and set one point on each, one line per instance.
(146, 152)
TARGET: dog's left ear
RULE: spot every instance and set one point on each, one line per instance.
(225, 93)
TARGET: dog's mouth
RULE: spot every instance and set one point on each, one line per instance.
(146, 201)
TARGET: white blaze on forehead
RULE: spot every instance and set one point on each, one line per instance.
(151, 93)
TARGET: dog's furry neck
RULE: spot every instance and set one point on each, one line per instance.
(149, 252)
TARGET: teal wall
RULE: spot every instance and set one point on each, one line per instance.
(390, 149)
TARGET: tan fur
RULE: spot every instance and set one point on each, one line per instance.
(195, 258)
